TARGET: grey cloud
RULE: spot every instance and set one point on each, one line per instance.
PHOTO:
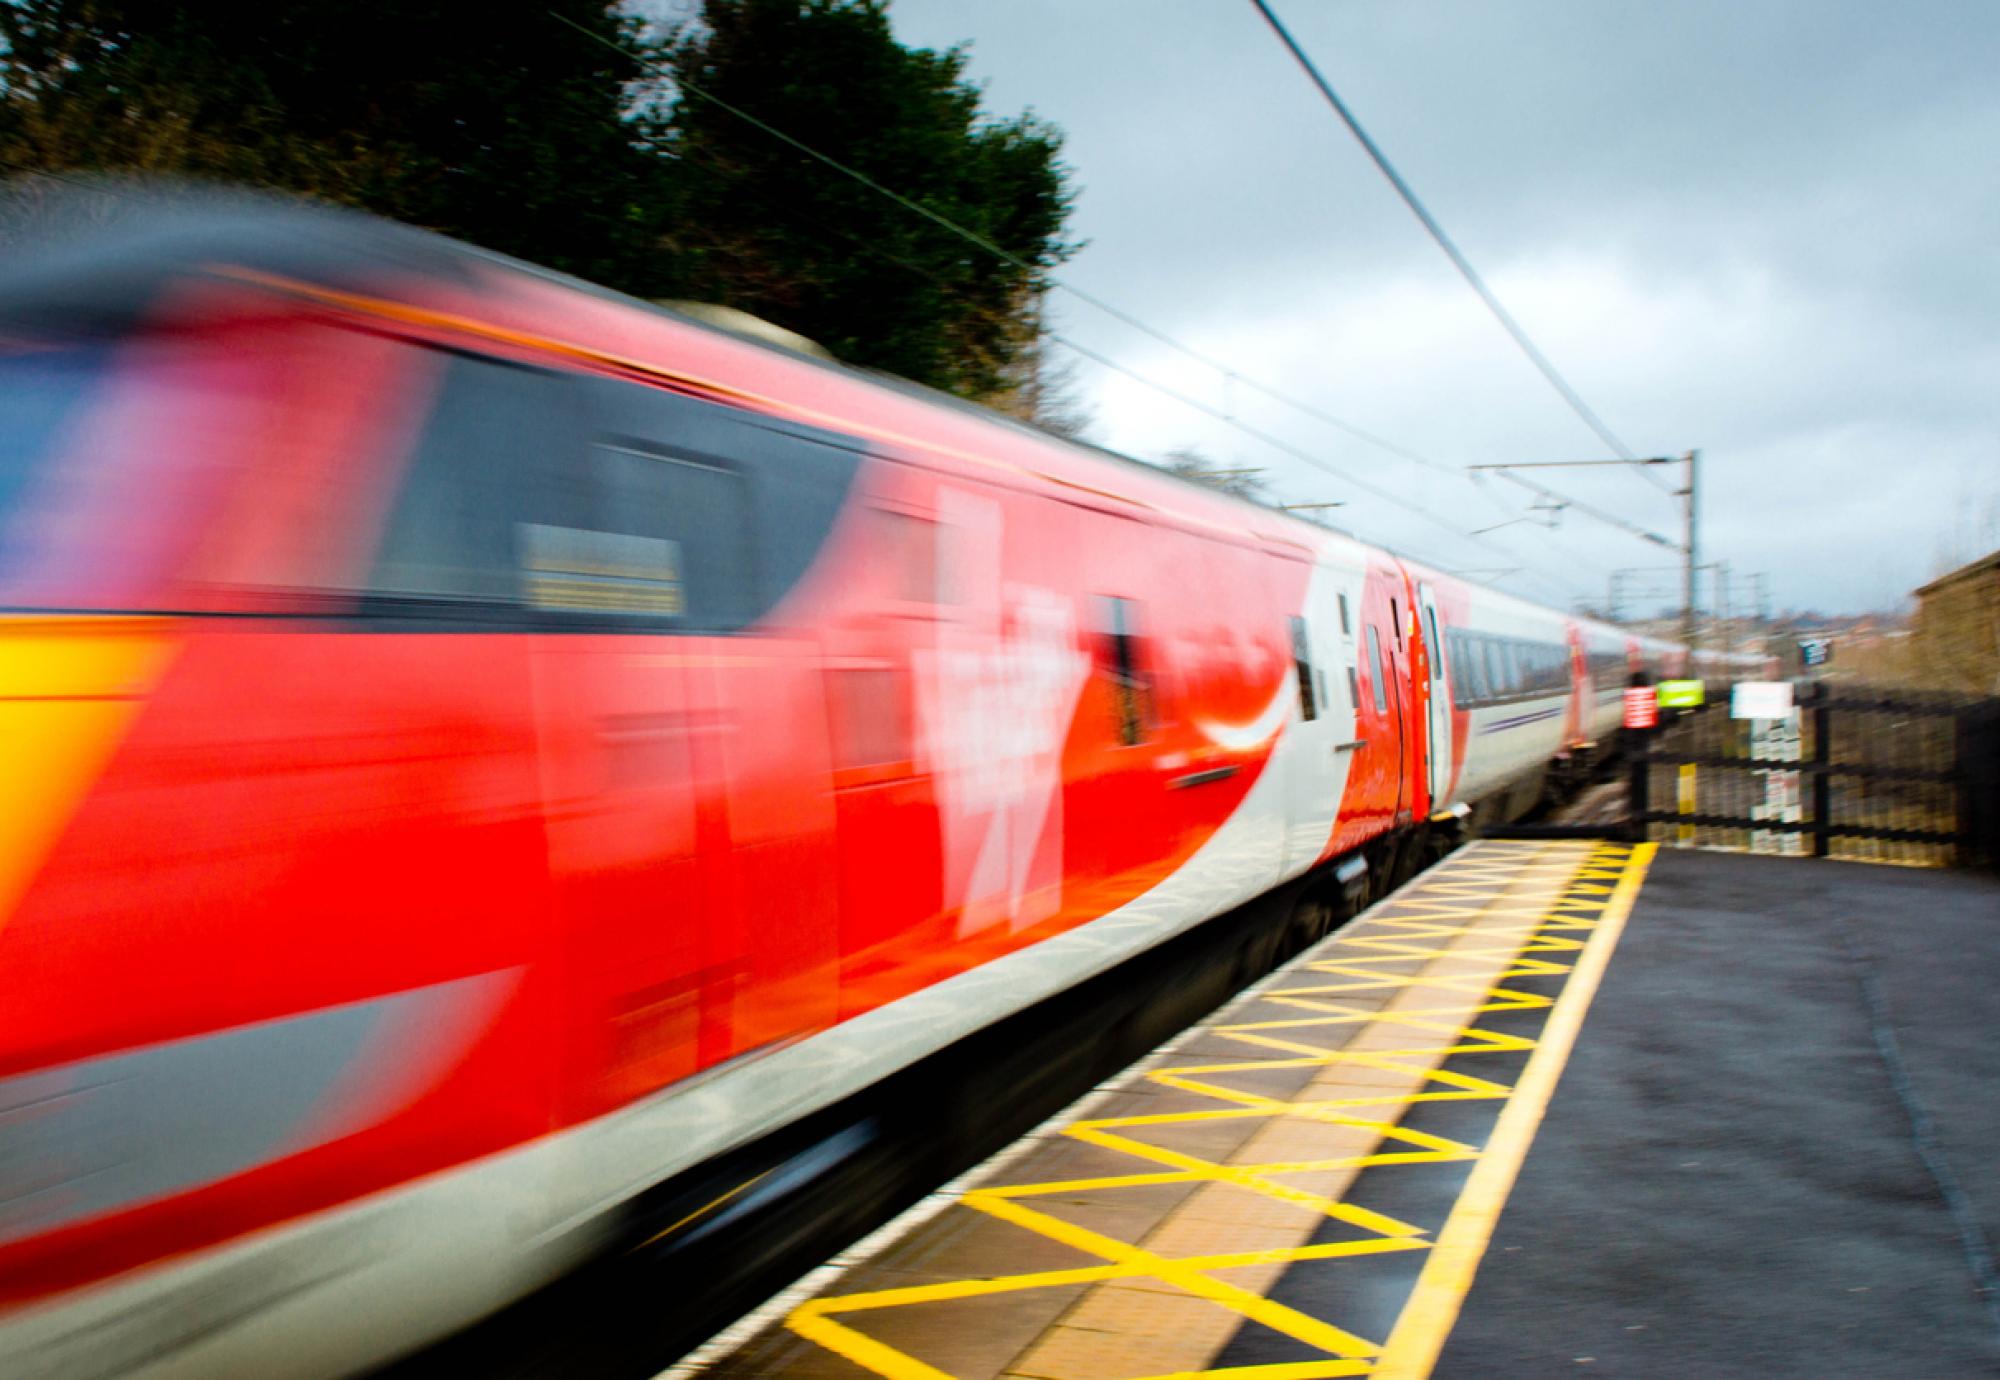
(1765, 229)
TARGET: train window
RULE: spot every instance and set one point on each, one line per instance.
(908, 546)
(1375, 669)
(596, 501)
(747, 500)
(1432, 645)
(1346, 628)
(1353, 690)
(1609, 672)
(1302, 665)
(500, 447)
(871, 711)
(44, 393)
(41, 391)
(1499, 673)
(1123, 663)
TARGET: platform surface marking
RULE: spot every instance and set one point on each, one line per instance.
(1155, 1222)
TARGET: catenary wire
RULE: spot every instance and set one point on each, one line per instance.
(1526, 566)
(1038, 271)
(1444, 241)
(981, 242)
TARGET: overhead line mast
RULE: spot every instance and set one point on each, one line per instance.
(1626, 457)
(1690, 544)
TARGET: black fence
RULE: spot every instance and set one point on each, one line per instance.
(1882, 775)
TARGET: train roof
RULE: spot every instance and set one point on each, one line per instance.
(91, 255)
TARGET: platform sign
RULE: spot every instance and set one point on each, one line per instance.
(1815, 651)
(1760, 699)
(1776, 739)
(1682, 694)
(1642, 707)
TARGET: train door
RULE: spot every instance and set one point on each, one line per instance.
(505, 524)
(619, 796)
(1438, 745)
(1373, 790)
(1578, 713)
(1397, 685)
(768, 844)
(901, 596)
(684, 758)
(1385, 681)
(1324, 722)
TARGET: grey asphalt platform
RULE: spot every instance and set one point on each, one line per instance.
(1775, 1150)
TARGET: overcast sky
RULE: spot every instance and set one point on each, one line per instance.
(1766, 229)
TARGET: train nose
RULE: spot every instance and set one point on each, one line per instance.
(70, 686)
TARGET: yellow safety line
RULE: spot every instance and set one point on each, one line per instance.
(1576, 907)
(1281, 1370)
(1427, 1319)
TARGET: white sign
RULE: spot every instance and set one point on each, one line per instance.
(1760, 699)
(1777, 740)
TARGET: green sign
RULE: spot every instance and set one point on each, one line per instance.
(1681, 694)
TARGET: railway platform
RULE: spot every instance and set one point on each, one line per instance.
(1554, 1108)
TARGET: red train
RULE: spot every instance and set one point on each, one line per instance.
(481, 745)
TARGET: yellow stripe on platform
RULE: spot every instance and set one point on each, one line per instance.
(1377, 1010)
(1428, 1317)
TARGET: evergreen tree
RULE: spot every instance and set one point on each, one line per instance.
(495, 123)
(766, 228)
(560, 132)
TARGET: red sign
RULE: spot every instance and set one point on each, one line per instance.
(1642, 707)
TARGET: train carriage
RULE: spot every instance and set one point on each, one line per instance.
(484, 746)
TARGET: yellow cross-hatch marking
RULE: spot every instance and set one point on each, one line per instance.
(1446, 921)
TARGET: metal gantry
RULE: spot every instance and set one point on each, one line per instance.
(1690, 544)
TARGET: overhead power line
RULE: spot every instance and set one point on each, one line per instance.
(1317, 462)
(1197, 405)
(1044, 275)
(979, 241)
(1192, 403)
(1430, 223)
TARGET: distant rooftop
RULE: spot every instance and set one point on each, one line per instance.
(1990, 561)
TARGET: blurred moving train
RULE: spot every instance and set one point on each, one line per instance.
(479, 746)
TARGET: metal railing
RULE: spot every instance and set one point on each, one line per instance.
(1879, 775)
